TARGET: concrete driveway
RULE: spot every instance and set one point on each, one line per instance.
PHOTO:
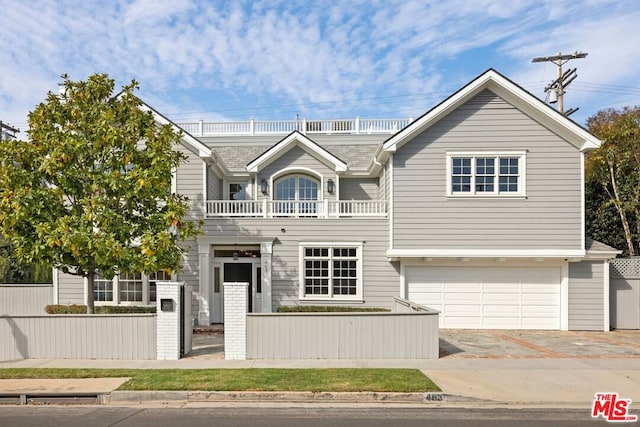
(503, 344)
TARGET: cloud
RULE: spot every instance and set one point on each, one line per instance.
(372, 58)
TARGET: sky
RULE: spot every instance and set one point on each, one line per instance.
(275, 60)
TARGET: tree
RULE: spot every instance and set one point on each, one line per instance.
(89, 192)
(615, 167)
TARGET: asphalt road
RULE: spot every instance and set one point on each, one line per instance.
(284, 417)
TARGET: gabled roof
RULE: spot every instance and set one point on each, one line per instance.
(295, 138)
(187, 138)
(511, 92)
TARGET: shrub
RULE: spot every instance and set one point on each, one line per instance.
(101, 309)
(326, 309)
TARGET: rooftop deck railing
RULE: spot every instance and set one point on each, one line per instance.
(304, 126)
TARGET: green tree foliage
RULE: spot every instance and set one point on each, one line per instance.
(613, 178)
(90, 191)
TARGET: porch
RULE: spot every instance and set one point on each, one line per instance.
(297, 209)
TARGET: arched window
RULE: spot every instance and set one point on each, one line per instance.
(296, 195)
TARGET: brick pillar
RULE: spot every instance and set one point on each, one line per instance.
(168, 322)
(235, 320)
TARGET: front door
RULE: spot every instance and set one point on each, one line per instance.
(241, 272)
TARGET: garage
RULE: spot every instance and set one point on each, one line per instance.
(488, 297)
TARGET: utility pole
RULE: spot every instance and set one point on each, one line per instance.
(7, 130)
(555, 89)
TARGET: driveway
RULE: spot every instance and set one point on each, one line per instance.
(505, 344)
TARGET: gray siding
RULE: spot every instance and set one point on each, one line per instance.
(549, 217)
(78, 337)
(189, 180)
(586, 295)
(70, 289)
(297, 157)
(214, 186)
(24, 299)
(359, 189)
(343, 336)
(381, 278)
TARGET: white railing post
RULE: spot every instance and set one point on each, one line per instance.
(201, 128)
(265, 213)
(252, 127)
(357, 125)
(326, 208)
(304, 126)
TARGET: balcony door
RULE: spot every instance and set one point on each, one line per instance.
(296, 195)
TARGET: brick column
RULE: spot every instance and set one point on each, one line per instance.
(168, 322)
(235, 320)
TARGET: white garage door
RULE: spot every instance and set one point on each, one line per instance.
(487, 297)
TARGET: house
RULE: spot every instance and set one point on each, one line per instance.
(475, 209)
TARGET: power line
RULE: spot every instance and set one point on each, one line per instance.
(555, 89)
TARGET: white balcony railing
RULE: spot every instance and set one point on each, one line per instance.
(296, 209)
(305, 126)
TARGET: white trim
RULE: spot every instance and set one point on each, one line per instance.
(404, 293)
(522, 173)
(607, 297)
(56, 285)
(505, 88)
(564, 297)
(358, 297)
(583, 214)
(306, 143)
(485, 253)
(85, 286)
(203, 150)
(205, 183)
(174, 180)
(391, 191)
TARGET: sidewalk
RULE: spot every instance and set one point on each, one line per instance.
(464, 382)
(477, 368)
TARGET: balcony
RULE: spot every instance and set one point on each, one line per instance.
(252, 127)
(296, 209)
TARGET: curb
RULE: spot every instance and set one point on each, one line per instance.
(129, 397)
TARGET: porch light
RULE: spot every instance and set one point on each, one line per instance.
(263, 186)
(331, 186)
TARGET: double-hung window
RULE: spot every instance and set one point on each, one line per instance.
(331, 271)
(486, 174)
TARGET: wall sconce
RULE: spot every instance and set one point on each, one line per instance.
(331, 186)
(235, 256)
(263, 186)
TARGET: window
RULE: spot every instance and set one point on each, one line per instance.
(238, 191)
(486, 174)
(296, 195)
(331, 271)
(102, 289)
(128, 288)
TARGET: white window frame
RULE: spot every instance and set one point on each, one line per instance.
(521, 155)
(146, 295)
(330, 246)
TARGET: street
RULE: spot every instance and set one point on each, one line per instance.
(81, 416)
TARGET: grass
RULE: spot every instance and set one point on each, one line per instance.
(316, 380)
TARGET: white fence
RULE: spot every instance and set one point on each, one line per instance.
(108, 336)
(305, 126)
(24, 299)
(410, 332)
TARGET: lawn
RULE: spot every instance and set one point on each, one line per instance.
(316, 380)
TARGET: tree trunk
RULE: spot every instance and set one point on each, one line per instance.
(90, 279)
(623, 216)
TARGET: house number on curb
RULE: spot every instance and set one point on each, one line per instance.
(433, 397)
